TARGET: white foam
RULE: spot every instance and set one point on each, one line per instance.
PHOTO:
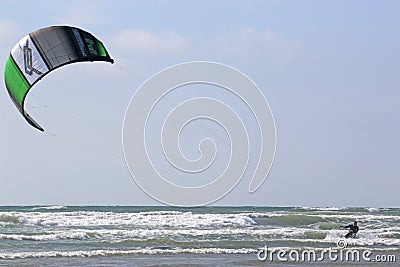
(55, 207)
(45, 237)
(101, 252)
(360, 217)
(372, 209)
(148, 219)
(369, 238)
(324, 208)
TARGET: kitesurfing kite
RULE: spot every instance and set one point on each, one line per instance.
(42, 51)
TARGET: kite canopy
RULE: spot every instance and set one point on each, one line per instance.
(41, 52)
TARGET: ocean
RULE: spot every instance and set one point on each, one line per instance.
(204, 236)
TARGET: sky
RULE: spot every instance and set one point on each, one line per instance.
(328, 69)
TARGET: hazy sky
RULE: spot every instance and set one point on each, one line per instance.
(329, 70)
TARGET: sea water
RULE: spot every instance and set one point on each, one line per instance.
(170, 236)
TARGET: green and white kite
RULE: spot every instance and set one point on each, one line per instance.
(44, 50)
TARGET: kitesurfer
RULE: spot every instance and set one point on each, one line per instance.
(353, 229)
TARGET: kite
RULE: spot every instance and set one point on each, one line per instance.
(43, 51)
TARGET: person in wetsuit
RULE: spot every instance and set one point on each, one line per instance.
(352, 231)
